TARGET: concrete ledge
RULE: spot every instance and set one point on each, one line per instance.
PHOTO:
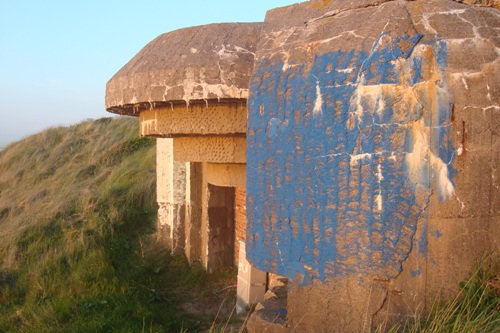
(233, 175)
(197, 119)
(210, 149)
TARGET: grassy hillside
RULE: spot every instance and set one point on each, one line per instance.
(78, 251)
(77, 223)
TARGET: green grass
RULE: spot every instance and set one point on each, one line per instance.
(77, 237)
(78, 250)
(476, 308)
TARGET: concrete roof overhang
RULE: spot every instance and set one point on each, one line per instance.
(191, 65)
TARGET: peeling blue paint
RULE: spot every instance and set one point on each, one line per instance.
(329, 193)
(404, 46)
(423, 243)
(437, 234)
(415, 273)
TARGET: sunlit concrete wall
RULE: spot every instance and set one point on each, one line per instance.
(372, 161)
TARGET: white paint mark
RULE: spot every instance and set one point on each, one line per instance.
(465, 83)
(318, 103)
(346, 70)
(488, 88)
(196, 88)
(380, 177)
(280, 254)
(226, 54)
(193, 50)
(422, 158)
(379, 202)
(452, 12)
(358, 157)
(460, 149)
(287, 34)
(445, 185)
(286, 65)
(222, 51)
(462, 205)
(426, 24)
(243, 50)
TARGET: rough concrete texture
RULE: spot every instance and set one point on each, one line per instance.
(252, 282)
(170, 195)
(240, 219)
(486, 3)
(214, 149)
(187, 66)
(195, 223)
(170, 174)
(270, 314)
(230, 174)
(373, 155)
(216, 119)
(191, 85)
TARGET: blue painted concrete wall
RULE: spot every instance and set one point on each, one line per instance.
(343, 155)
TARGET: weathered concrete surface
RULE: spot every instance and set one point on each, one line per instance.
(186, 66)
(240, 219)
(270, 314)
(214, 149)
(196, 212)
(252, 282)
(191, 85)
(373, 155)
(201, 119)
(486, 3)
(170, 195)
(230, 174)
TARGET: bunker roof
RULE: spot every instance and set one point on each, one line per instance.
(191, 65)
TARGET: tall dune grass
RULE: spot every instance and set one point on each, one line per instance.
(77, 236)
(475, 309)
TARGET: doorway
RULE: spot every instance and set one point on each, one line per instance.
(220, 227)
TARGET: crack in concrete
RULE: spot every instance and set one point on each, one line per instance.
(338, 11)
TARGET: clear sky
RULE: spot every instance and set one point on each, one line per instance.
(57, 55)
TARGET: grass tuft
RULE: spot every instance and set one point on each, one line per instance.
(475, 309)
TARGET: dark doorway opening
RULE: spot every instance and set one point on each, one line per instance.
(220, 227)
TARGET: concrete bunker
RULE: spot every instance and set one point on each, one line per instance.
(372, 149)
(189, 88)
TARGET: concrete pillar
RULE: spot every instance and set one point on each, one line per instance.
(170, 196)
(240, 220)
(196, 189)
(251, 282)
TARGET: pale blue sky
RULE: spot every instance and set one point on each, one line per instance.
(57, 55)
